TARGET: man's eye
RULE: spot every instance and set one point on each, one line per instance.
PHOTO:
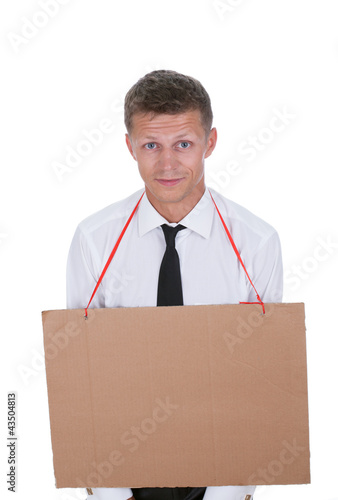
(150, 145)
(184, 144)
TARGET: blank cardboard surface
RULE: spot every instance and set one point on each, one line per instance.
(178, 396)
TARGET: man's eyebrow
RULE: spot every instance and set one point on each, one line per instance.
(181, 135)
(149, 138)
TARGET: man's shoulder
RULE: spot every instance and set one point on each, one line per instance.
(240, 218)
(115, 214)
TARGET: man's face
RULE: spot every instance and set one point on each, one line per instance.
(170, 152)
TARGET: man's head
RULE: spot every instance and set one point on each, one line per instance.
(167, 92)
(168, 118)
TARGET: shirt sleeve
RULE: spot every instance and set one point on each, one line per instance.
(82, 265)
(266, 271)
(83, 268)
(110, 494)
(229, 493)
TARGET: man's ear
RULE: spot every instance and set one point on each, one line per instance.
(211, 142)
(130, 147)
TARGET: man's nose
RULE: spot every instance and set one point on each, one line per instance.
(167, 159)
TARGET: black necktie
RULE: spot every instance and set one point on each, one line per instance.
(169, 291)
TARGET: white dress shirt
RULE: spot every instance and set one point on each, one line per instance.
(210, 270)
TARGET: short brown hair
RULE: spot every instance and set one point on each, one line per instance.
(167, 92)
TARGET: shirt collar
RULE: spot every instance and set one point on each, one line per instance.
(199, 219)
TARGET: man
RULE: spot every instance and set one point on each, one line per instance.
(168, 118)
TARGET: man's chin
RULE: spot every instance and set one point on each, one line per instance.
(167, 195)
(173, 194)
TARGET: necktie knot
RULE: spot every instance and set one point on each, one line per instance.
(170, 233)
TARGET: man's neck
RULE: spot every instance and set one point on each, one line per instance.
(176, 211)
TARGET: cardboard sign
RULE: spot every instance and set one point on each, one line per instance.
(178, 396)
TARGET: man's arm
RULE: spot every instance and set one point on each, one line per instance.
(81, 282)
(266, 270)
(83, 266)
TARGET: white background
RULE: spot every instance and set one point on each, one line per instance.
(254, 57)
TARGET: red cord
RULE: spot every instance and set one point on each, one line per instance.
(113, 253)
(124, 230)
(239, 258)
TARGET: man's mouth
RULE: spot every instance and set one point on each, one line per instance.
(169, 182)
